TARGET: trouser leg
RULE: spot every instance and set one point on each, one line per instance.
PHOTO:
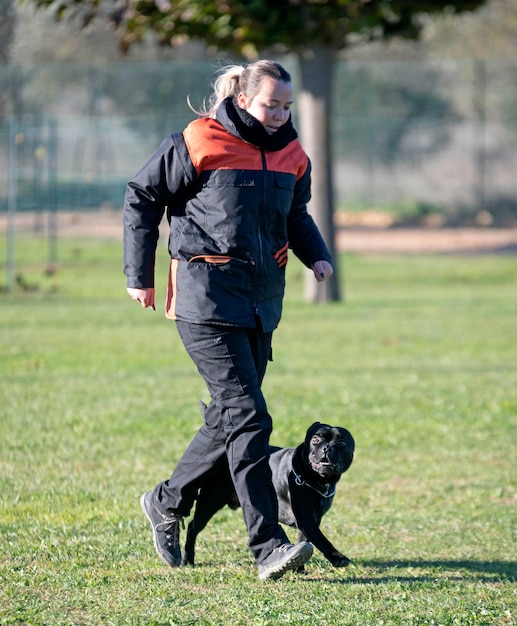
(204, 453)
(232, 363)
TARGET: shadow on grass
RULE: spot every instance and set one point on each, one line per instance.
(481, 571)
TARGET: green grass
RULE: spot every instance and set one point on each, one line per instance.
(98, 401)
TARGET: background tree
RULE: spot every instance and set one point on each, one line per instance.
(7, 25)
(7, 22)
(314, 30)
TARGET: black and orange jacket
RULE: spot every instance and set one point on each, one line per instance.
(234, 209)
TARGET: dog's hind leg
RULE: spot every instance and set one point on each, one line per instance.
(189, 552)
(193, 530)
(212, 497)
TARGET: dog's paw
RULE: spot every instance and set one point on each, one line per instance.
(339, 560)
(186, 561)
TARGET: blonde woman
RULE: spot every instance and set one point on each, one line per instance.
(235, 183)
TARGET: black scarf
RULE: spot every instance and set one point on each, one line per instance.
(240, 123)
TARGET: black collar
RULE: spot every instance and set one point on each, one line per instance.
(328, 493)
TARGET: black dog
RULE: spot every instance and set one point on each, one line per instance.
(305, 480)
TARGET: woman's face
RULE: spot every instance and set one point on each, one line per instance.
(271, 106)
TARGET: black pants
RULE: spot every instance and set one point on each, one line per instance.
(236, 428)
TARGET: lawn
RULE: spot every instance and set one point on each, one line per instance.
(98, 401)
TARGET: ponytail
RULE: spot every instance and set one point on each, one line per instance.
(235, 79)
(225, 85)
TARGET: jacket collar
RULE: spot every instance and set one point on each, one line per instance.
(240, 123)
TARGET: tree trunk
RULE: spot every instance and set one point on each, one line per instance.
(7, 25)
(317, 73)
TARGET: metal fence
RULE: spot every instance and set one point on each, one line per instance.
(435, 137)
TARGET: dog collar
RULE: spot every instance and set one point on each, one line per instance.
(300, 482)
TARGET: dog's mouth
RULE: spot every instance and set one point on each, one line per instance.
(324, 466)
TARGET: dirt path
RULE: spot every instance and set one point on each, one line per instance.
(443, 240)
(108, 224)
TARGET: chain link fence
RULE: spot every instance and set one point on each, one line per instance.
(436, 138)
(407, 136)
(415, 138)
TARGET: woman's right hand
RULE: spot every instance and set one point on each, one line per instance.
(144, 296)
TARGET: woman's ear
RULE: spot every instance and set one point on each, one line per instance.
(242, 100)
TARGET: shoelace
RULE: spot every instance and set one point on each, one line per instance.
(171, 528)
(283, 548)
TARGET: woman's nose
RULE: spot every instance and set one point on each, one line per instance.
(281, 114)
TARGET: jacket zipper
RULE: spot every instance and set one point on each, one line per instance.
(261, 217)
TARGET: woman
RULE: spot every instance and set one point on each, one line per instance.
(235, 183)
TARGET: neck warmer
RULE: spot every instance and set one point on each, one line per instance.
(240, 123)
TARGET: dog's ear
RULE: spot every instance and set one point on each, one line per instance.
(312, 429)
(348, 437)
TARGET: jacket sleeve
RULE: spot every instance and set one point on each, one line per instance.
(162, 182)
(305, 239)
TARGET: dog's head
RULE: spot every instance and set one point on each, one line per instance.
(328, 450)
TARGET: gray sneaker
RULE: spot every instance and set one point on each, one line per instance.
(166, 530)
(285, 558)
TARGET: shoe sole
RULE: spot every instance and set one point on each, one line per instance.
(277, 571)
(155, 541)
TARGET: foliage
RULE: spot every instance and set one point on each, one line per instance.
(99, 400)
(249, 26)
(313, 29)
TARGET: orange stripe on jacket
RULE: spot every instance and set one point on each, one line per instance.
(170, 304)
(281, 256)
(212, 147)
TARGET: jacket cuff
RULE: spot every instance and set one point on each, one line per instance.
(139, 282)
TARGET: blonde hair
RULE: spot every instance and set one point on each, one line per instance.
(236, 79)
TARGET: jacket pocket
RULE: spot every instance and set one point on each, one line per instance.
(212, 259)
(215, 289)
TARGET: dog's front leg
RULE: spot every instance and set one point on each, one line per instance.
(310, 529)
(304, 503)
(334, 556)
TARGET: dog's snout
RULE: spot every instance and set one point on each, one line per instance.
(327, 453)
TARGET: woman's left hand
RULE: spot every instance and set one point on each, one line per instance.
(322, 270)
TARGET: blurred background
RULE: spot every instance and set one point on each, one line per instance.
(423, 133)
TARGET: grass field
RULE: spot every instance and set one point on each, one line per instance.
(98, 401)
